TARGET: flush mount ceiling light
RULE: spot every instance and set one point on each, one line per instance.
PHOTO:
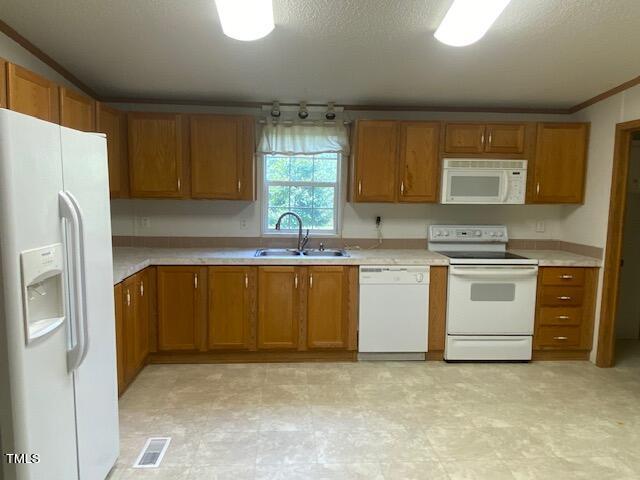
(467, 21)
(245, 20)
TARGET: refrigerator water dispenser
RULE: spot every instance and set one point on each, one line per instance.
(42, 290)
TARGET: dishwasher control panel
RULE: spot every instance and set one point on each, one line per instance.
(394, 275)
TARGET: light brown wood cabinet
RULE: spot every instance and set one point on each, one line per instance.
(327, 307)
(232, 308)
(32, 94)
(557, 172)
(77, 110)
(3, 83)
(158, 157)
(564, 312)
(375, 161)
(136, 318)
(279, 294)
(182, 305)
(222, 157)
(485, 138)
(113, 123)
(419, 161)
(395, 161)
(120, 345)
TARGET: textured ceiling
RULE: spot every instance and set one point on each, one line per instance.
(539, 53)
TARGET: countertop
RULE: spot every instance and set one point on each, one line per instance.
(130, 260)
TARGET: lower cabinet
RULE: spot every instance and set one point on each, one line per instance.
(564, 312)
(232, 308)
(182, 295)
(327, 307)
(133, 304)
(279, 296)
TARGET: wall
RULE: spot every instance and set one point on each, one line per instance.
(628, 323)
(588, 223)
(11, 51)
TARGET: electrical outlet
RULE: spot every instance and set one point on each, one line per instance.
(243, 224)
(540, 226)
(144, 222)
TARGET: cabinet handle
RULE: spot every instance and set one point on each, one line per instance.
(239, 185)
(482, 138)
(178, 184)
(561, 338)
(295, 281)
(538, 188)
(563, 317)
(142, 289)
(359, 187)
(246, 281)
(490, 138)
(402, 187)
(566, 277)
(195, 280)
(563, 297)
(311, 281)
(128, 298)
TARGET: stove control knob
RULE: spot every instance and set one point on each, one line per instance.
(446, 233)
(477, 233)
(500, 234)
(493, 234)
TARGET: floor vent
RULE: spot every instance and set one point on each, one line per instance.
(152, 452)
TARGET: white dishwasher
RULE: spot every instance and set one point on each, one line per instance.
(394, 312)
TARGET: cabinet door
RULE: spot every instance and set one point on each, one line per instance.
(141, 348)
(77, 111)
(505, 138)
(120, 345)
(464, 138)
(375, 159)
(157, 161)
(558, 171)
(419, 161)
(327, 308)
(113, 123)
(32, 94)
(130, 315)
(219, 151)
(3, 83)
(232, 308)
(181, 307)
(278, 307)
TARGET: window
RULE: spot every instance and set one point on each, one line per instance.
(308, 185)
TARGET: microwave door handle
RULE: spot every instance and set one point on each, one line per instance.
(505, 186)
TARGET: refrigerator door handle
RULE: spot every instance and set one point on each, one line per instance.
(69, 213)
(83, 276)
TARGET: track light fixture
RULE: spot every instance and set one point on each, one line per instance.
(303, 112)
(275, 109)
(331, 111)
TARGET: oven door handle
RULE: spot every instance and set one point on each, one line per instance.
(483, 272)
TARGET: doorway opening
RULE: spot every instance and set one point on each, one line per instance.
(620, 312)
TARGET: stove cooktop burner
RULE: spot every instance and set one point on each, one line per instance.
(484, 255)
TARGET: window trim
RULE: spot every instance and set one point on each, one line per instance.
(338, 201)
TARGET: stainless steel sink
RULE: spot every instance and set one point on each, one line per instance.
(276, 252)
(325, 253)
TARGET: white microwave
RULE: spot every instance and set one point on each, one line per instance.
(487, 181)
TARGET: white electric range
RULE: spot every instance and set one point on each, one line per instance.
(491, 294)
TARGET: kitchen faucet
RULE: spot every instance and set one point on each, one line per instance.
(302, 241)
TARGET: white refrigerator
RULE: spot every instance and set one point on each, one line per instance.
(58, 393)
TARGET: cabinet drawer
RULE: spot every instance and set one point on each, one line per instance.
(562, 276)
(557, 337)
(561, 296)
(560, 316)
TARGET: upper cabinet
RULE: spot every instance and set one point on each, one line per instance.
(32, 94)
(3, 83)
(113, 123)
(483, 139)
(557, 172)
(157, 156)
(419, 162)
(375, 161)
(77, 110)
(395, 161)
(222, 157)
